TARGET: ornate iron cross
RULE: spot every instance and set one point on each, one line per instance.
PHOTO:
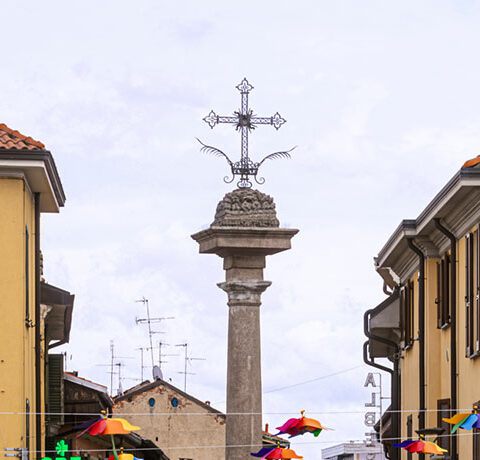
(244, 121)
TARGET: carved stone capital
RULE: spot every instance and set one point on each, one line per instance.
(246, 207)
(244, 292)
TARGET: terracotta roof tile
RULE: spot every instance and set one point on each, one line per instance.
(471, 163)
(13, 140)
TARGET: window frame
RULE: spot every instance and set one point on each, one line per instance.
(469, 295)
(409, 434)
(408, 313)
(444, 412)
(443, 301)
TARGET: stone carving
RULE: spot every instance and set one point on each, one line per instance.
(246, 207)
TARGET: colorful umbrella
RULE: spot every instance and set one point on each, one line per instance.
(108, 426)
(123, 456)
(275, 453)
(465, 421)
(302, 425)
(421, 446)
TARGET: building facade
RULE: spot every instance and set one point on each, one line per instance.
(184, 427)
(429, 325)
(354, 451)
(35, 315)
(80, 399)
(180, 424)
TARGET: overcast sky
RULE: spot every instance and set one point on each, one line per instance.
(381, 98)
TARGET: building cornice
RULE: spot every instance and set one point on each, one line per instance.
(41, 173)
(457, 204)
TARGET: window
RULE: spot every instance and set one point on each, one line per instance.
(407, 300)
(409, 434)
(443, 406)
(472, 301)
(443, 292)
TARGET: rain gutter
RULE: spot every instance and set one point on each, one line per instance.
(395, 375)
(38, 362)
(421, 335)
(453, 324)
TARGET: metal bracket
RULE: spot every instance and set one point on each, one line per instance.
(21, 452)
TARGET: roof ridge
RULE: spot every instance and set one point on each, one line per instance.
(16, 134)
(151, 385)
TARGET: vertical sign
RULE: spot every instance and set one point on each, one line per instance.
(370, 418)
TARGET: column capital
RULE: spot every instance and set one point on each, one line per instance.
(244, 292)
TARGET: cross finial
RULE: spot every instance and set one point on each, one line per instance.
(244, 121)
(244, 87)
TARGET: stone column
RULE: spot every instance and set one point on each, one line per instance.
(244, 232)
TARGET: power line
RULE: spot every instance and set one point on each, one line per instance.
(225, 446)
(213, 414)
(316, 379)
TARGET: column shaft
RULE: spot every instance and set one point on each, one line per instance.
(244, 383)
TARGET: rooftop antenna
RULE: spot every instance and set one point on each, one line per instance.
(161, 355)
(112, 357)
(142, 366)
(111, 372)
(188, 360)
(149, 322)
(120, 389)
(112, 364)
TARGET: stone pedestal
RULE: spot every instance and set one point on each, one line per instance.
(244, 232)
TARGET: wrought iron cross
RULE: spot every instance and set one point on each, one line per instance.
(244, 121)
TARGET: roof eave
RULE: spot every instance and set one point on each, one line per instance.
(414, 227)
(51, 170)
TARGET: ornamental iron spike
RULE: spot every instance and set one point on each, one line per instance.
(244, 121)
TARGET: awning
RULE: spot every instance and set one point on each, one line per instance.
(59, 315)
(385, 323)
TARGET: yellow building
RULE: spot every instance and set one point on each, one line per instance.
(35, 316)
(429, 326)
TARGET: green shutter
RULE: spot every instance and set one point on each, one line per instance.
(55, 388)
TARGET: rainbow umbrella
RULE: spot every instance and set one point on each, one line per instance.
(123, 456)
(108, 426)
(275, 453)
(465, 421)
(302, 425)
(421, 446)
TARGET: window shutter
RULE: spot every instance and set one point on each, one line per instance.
(55, 388)
(469, 294)
(411, 312)
(446, 290)
(476, 327)
(403, 294)
(438, 300)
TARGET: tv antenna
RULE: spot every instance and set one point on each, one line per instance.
(156, 372)
(188, 360)
(162, 355)
(149, 322)
(142, 366)
(112, 365)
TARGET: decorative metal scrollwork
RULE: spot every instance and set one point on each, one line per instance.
(244, 121)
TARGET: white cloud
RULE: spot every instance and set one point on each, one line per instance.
(381, 99)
